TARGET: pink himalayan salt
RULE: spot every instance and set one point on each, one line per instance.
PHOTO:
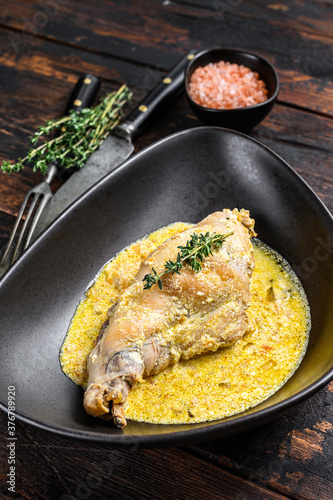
(225, 85)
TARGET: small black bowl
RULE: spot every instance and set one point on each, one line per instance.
(241, 119)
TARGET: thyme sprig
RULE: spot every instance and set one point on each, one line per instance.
(79, 135)
(193, 253)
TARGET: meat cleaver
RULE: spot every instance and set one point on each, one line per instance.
(118, 146)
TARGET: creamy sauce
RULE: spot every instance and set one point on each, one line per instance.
(212, 386)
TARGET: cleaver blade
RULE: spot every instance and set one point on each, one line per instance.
(118, 146)
(111, 153)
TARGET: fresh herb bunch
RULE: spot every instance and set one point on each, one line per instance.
(79, 135)
(193, 253)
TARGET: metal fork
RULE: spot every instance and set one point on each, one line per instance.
(38, 196)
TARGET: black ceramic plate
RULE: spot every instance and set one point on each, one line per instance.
(183, 177)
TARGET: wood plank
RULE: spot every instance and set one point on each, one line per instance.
(34, 475)
(302, 140)
(170, 29)
(59, 468)
(313, 15)
(292, 455)
(6, 224)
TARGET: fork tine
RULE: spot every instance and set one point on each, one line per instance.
(25, 224)
(17, 222)
(45, 198)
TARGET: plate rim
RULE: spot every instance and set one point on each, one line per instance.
(212, 428)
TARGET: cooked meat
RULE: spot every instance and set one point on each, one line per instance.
(193, 313)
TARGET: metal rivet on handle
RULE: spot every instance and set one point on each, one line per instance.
(190, 56)
(167, 80)
(77, 102)
(87, 80)
(143, 108)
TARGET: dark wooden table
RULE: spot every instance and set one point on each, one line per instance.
(44, 46)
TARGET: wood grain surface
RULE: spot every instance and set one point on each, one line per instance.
(44, 46)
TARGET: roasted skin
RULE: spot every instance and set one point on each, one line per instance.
(193, 313)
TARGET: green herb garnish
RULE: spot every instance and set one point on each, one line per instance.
(193, 253)
(79, 135)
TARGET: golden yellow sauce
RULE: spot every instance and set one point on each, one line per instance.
(212, 386)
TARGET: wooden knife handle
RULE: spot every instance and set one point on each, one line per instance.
(84, 93)
(82, 96)
(156, 101)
